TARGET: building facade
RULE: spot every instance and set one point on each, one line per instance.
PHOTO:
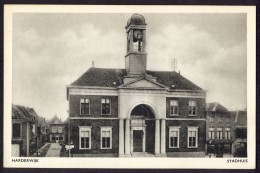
(135, 111)
(57, 130)
(220, 130)
(23, 120)
(240, 140)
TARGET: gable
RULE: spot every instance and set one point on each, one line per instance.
(142, 84)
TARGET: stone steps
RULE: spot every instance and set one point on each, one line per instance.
(142, 154)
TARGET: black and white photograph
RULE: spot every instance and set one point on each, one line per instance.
(154, 84)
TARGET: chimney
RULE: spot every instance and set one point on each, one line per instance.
(174, 64)
(93, 63)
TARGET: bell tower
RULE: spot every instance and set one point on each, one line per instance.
(135, 59)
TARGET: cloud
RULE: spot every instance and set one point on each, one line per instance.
(217, 68)
(44, 64)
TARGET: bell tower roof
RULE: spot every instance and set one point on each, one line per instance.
(136, 19)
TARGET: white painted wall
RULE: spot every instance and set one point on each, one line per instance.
(128, 100)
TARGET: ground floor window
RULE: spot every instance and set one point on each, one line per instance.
(192, 137)
(60, 138)
(227, 133)
(84, 137)
(174, 137)
(106, 137)
(211, 133)
(219, 133)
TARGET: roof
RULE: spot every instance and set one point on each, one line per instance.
(23, 113)
(215, 107)
(241, 118)
(103, 77)
(136, 19)
(55, 120)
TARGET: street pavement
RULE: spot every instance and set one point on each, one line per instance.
(54, 150)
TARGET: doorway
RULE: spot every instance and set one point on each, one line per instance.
(137, 140)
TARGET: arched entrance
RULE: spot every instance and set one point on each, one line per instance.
(142, 129)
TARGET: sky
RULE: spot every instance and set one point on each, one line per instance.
(52, 50)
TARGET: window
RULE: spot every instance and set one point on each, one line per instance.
(105, 104)
(61, 138)
(84, 106)
(59, 129)
(84, 137)
(227, 133)
(241, 133)
(219, 133)
(173, 107)
(219, 119)
(53, 138)
(192, 137)
(174, 137)
(228, 120)
(106, 137)
(211, 133)
(17, 130)
(192, 107)
(211, 119)
(39, 130)
(54, 129)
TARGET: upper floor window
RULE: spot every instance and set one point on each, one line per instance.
(192, 137)
(84, 106)
(192, 107)
(173, 107)
(174, 137)
(228, 120)
(60, 129)
(106, 137)
(84, 137)
(54, 129)
(211, 133)
(219, 133)
(241, 133)
(17, 130)
(211, 119)
(219, 119)
(39, 130)
(227, 133)
(105, 106)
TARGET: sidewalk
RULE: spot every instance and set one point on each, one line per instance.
(43, 149)
(54, 150)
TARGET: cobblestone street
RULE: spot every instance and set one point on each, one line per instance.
(54, 150)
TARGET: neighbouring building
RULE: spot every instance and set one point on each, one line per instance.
(23, 119)
(220, 130)
(40, 131)
(135, 111)
(240, 140)
(56, 130)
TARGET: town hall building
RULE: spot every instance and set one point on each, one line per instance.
(135, 111)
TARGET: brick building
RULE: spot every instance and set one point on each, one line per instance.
(220, 130)
(135, 111)
(240, 136)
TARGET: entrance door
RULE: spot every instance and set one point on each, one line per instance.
(137, 140)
